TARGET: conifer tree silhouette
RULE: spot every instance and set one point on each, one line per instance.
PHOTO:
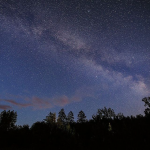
(62, 116)
(70, 117)
(81, 117)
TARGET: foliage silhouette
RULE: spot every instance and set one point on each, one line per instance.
(105, 131)
(147, 103)
(51, 118)
(81, 117)
(8, 119)
(62, 117)
(70, 117)
(104, 114)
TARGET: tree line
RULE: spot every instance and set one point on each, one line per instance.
(106, 130)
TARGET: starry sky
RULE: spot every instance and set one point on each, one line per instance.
(76, 55)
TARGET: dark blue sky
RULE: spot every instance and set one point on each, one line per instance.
(76, 55)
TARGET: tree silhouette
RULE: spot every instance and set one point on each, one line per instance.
(62, 116)
(81, 117)
(119, 116)
(132, 132)
(104, 113)
(8, 119)
(51, 118)
(40, 133)
(147, 103)
(70, 117)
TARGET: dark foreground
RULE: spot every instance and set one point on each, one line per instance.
(105, 131)
(127, 133)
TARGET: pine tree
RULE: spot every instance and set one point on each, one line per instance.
(62, 116)
(70, 117)
(81, 117)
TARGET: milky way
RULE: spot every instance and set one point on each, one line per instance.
(76, 55)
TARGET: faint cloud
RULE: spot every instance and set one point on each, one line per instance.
(61, 101)
(16, 103)
(38, 103)
(44, 103)
(5, 107)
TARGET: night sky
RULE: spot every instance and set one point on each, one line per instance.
(73, 54)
